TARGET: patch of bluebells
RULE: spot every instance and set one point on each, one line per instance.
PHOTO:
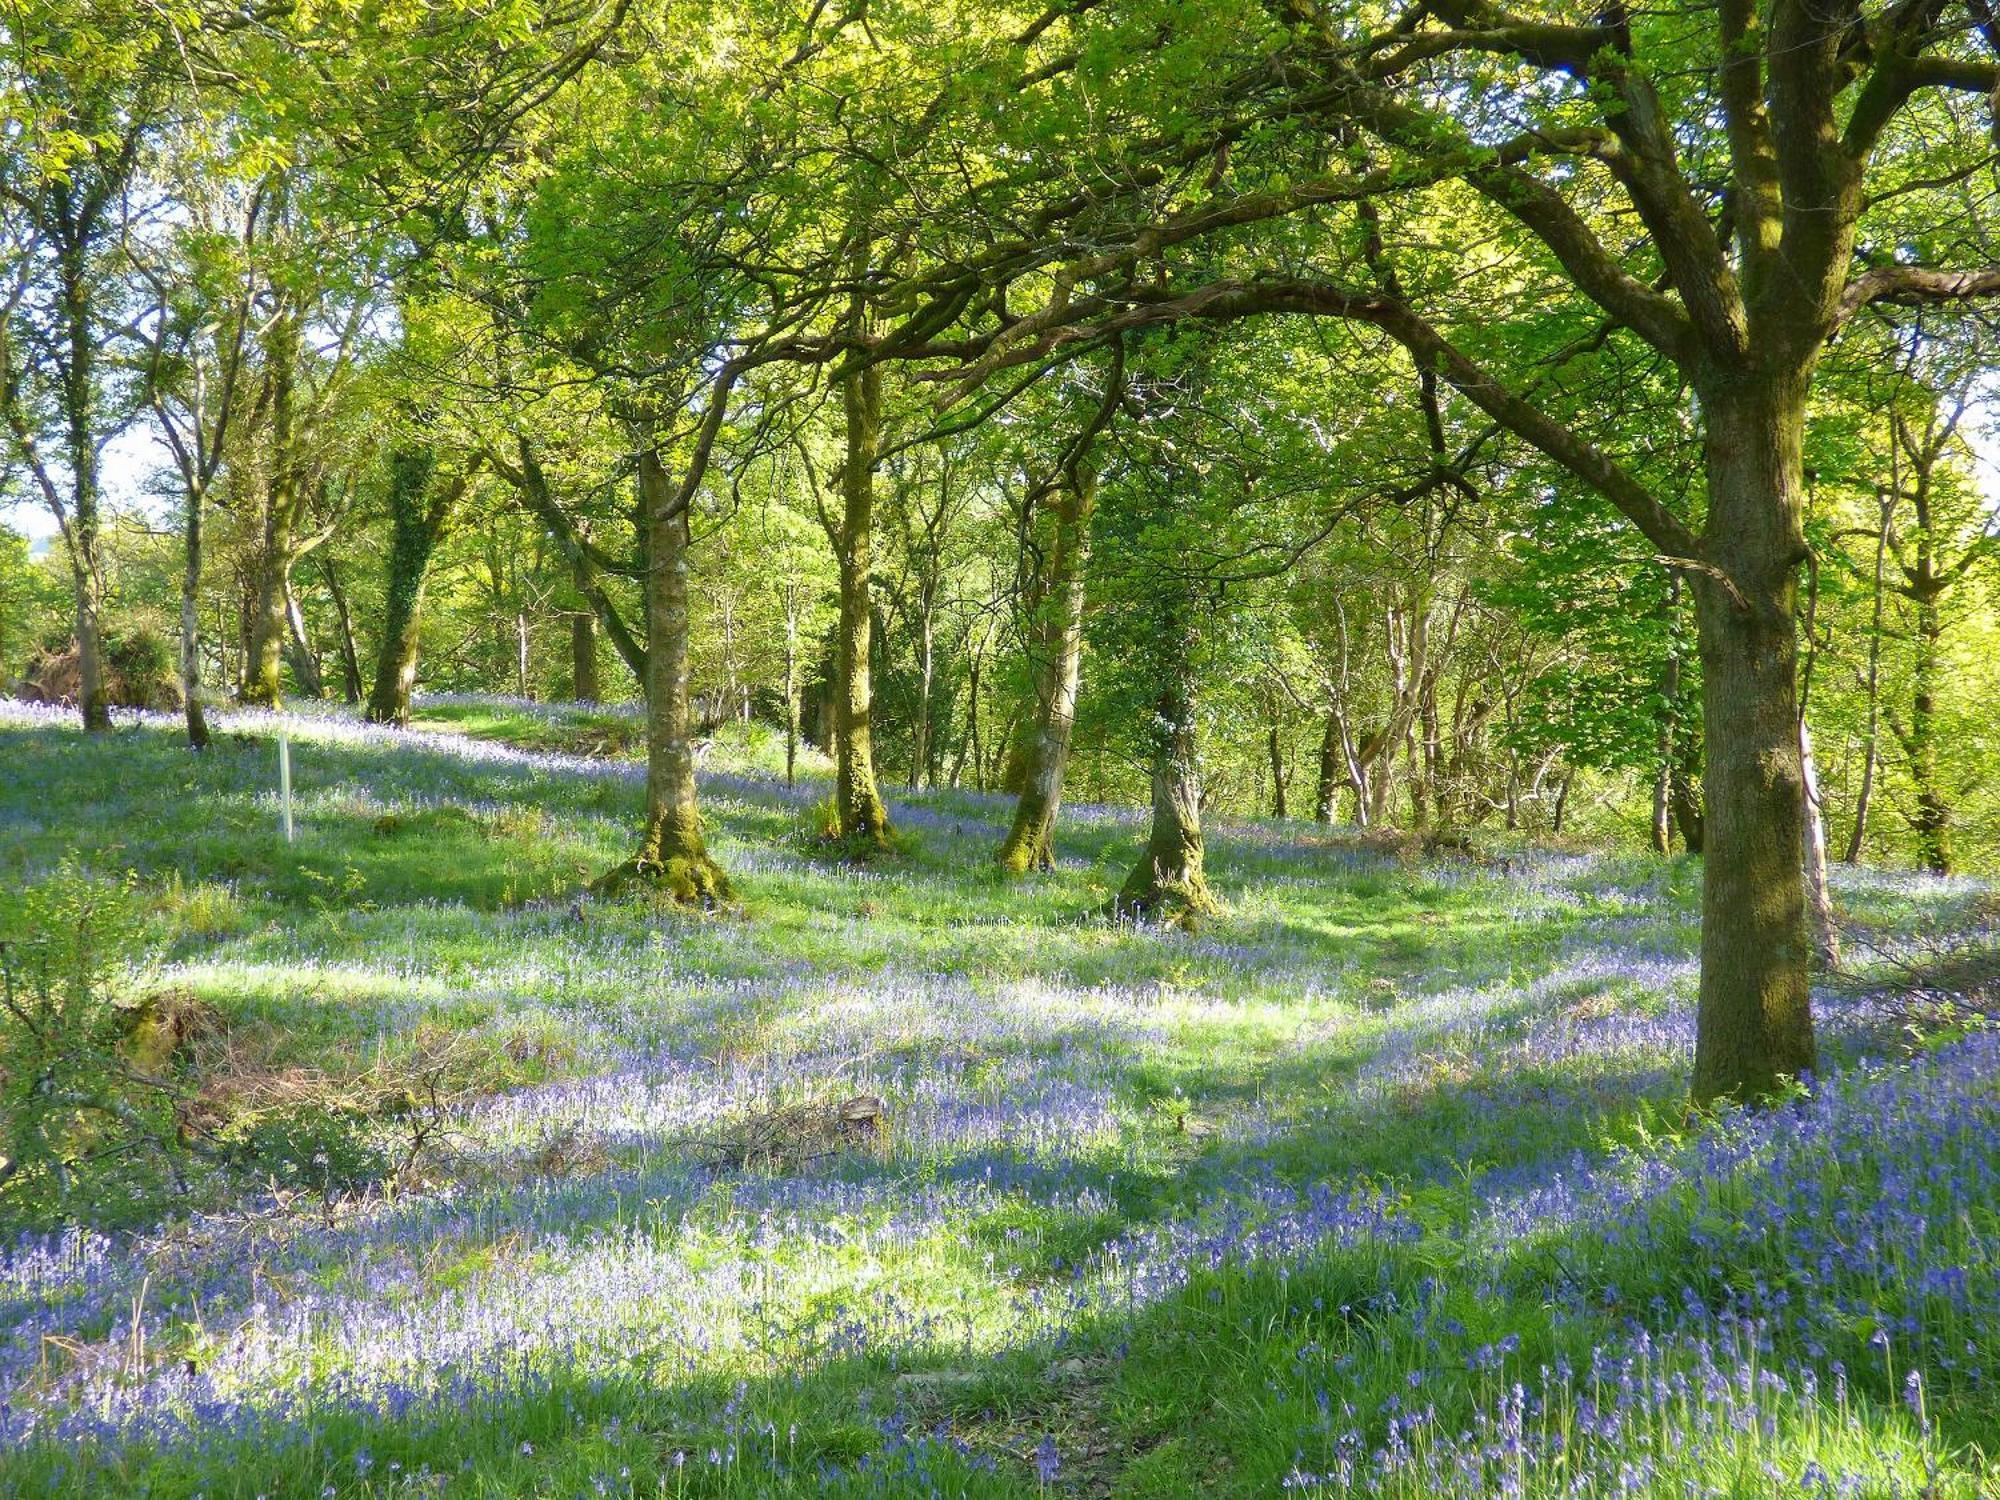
(1758, 1276)
(1684, 1417)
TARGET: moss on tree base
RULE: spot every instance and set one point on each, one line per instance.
(1185, 901)
(1025, 857)
(692, 881)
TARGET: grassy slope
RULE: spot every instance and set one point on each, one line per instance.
(1090, 1231)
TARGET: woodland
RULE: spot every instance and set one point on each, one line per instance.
(1122, 747)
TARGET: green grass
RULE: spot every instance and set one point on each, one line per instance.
(1064, 1096)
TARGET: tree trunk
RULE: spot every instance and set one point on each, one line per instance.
(920, 739)
(974, 672)
(1058, 634)
(1428, 789)
(1663, 774)
(262, 684)
(1275, 748)
(672, 857)
(532, 484)
(350, 656)
(79, 385)
(1169, 882)
(263, 681)
(791, 692)
(864, 819)
(1330, 757)
(1872, 750)
(1754, 1022)
(1685, 784)
(197, 718)
(1381, 787)
(584, 684)
(1931, 822)
(1819, 895)
(305, 661)
(414, 526)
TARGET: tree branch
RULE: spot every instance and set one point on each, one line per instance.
(1914, 286)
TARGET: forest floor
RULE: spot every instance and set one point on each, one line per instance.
(912, 1180)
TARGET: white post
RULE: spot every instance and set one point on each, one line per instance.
(285, 779)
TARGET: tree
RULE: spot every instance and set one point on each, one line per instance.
(864, 817)
(86, 85)
(1053, 634)
(1751, 152)
(30, 601)
(673, 856)
(299, 466)
(421, 503)
(205, 283)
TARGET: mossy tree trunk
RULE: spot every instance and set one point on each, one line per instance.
(864, 817)
(1169, 883)
(673, 858)
(1056, 635)
(584, 684)
(262, 680)
(417, 520)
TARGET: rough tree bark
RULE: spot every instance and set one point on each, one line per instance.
(262, 683)
(419, 510)
(673, 858)
(584, 685)
(1169, 883)
(1754, 1022)
(864, 818)
(1057, 636)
